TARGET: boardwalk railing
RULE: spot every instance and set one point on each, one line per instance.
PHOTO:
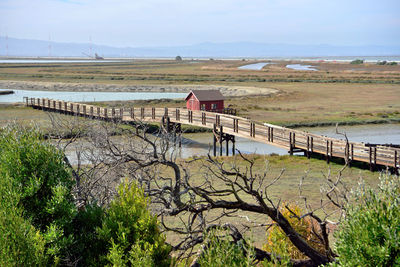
(292, 140)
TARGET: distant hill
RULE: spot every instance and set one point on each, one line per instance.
(38, 48)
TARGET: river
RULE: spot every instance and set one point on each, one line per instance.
(86, 96)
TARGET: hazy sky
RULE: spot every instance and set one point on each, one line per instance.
(181, 22)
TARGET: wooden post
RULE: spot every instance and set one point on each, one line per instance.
(272, 135)
(308, 147)
(235, 125)
(105, 113)
(215, 140)
(178, 114)
(220, 140)
(190, 115)
(291, 144)
(233, 145)
(227, 146)
(91, 111)
(84, 110)
(327, 151)
(121, 113)
(370, 159)
(132, 111)
(142, 112)
(165, 111)
(218, 120)
(203, 118)
(153, 113)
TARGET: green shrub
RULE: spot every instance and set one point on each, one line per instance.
(357, 61)
(370, 234)
(221, 252)
(38, 176)
(20, 242)
(131, 232)
(35, 182)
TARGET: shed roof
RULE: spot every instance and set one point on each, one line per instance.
(206, 95)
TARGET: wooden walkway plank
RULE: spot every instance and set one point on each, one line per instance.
(290, 139)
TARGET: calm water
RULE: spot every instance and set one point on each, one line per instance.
(374, 134)
(55, 61)
(86, 96)
(255, 66)
(199, 144)
(301, 67)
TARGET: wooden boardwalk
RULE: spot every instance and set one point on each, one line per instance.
(292, 140)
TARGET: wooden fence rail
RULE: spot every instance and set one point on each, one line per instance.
(292, 140)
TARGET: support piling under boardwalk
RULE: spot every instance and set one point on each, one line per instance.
(226, 127)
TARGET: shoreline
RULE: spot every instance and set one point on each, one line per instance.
(226, 90)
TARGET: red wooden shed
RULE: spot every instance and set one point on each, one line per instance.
(208, 100)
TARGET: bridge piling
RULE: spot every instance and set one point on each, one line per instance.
(374, 155)
(220, 137)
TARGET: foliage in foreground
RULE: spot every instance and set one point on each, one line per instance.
(370, 234)
(219, 252)
(36, 191)
(132, 232)
(40, 224)
(279, 244)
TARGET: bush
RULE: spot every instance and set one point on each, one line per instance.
(278, 242)
(36, 201)
(357, 61)
(370, 234)
(131, 232)
(20, 242)
(223, 252)
(38, 177)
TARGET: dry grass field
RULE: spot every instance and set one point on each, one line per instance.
(339, 92)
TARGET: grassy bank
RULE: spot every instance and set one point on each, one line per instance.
(312, 172)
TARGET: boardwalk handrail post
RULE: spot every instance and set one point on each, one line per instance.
(220, 139)
(372, 154)
(132, 111)
(215, 140)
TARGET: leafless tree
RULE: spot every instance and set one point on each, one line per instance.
(189, 204)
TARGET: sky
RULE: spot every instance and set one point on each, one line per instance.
(137, 23)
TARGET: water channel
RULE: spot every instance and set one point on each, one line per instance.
(200, 144)
(86, 96)
(301, 67)
(255, 66)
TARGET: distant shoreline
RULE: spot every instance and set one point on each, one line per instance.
(367, 59)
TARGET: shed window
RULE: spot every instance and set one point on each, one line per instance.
(213, 106)
(203, 107)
